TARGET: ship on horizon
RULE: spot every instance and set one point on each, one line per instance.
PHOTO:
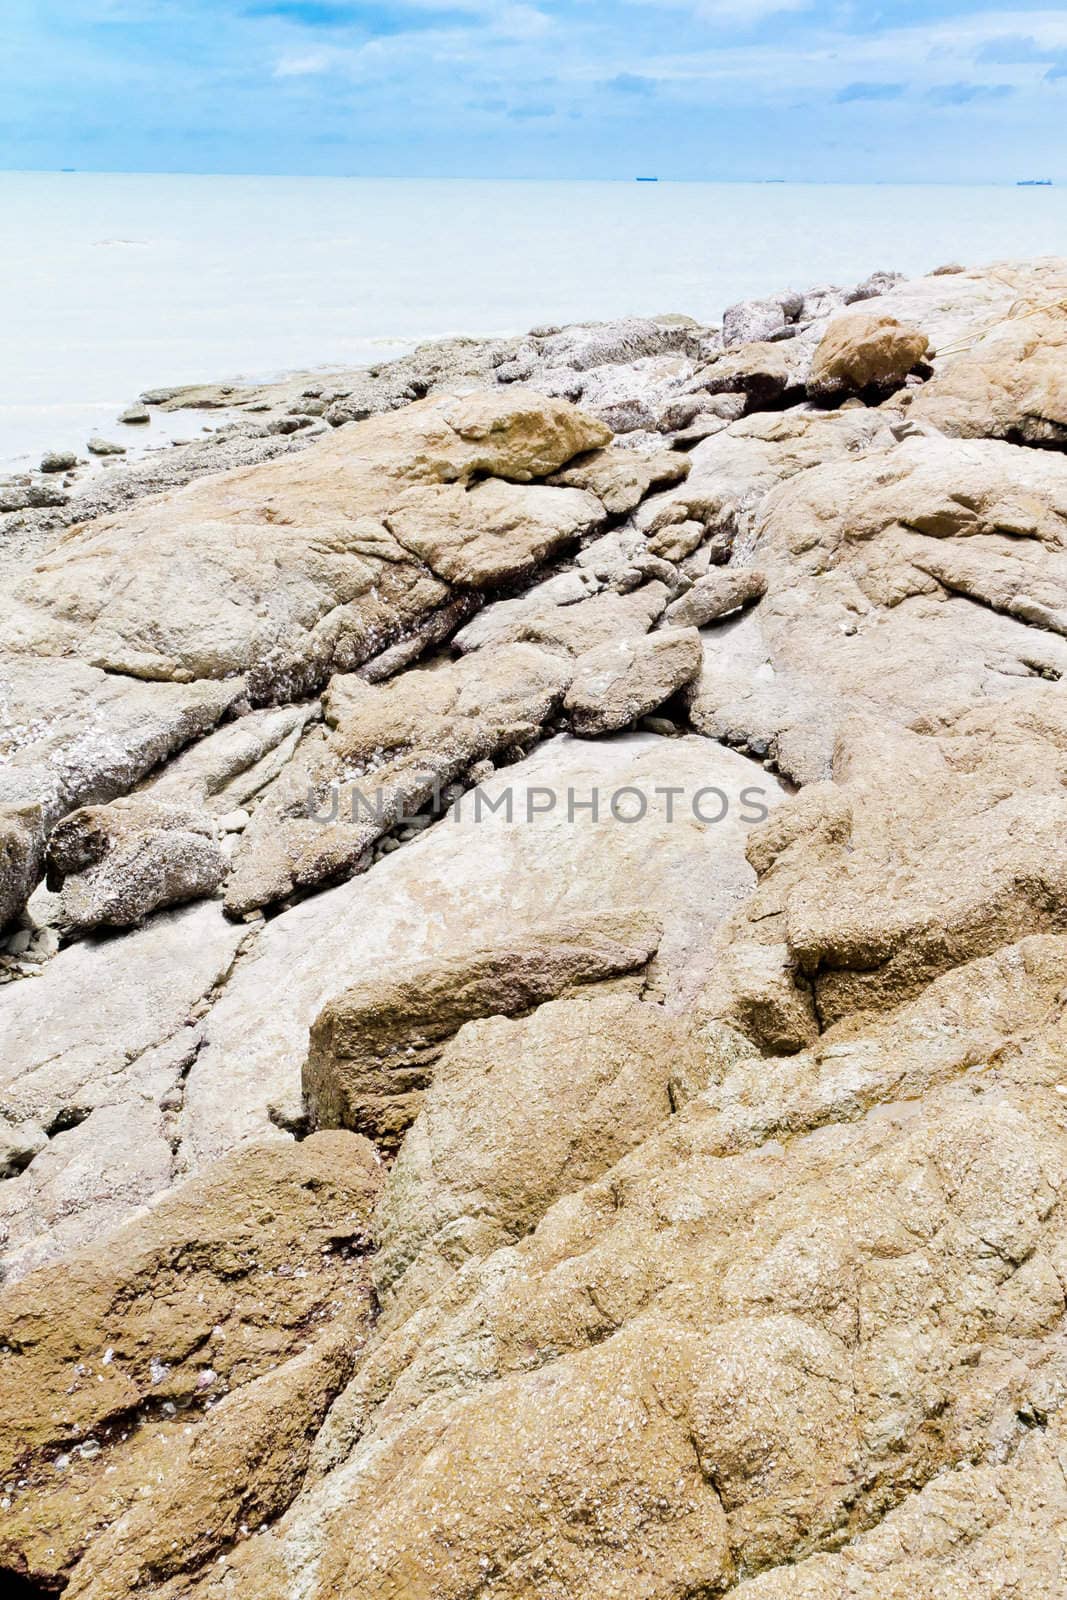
(1034, 183)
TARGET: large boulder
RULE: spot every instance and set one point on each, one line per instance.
(490, 533)
(292, 571)
(865, 353)
(1005, 383)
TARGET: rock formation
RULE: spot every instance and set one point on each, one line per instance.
(534, 900)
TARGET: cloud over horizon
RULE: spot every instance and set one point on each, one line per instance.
(689, 88)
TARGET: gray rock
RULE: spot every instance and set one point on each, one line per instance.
(47, 494)
(617, 683)
(821, 301)
(122, 861)
(19, 1143)
(78, 735)
(105, 447)
(878, 283)
(471, 878)
(136, 416)
(14, 496)
(751, 320)
(90, 1047)
(626, 416)
(58, 461)
(716, 596)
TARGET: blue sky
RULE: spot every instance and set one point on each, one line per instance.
(732, 89)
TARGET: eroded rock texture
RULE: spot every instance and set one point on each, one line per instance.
(539, 1066)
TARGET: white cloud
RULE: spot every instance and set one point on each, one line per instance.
(734, 13)
(742, 11)
(305, 66)
(520, 22)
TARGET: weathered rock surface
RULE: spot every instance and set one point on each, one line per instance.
(556, 1098)
(1005, 384)
(94, 1051)
(374, 1049)
(135, 595)
(617, 683)
(861, 352)
(73, 735)
(487, 873)
(716, 595)
(116, 863)
(722, 1251)
(194, 1356)
(390, 749)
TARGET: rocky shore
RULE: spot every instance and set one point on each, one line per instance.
(533, 967)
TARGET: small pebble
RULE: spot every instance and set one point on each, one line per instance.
(234, 821)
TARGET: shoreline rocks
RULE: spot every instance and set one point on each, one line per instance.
(538, 1065)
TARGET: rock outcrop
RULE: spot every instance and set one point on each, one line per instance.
(532, 1043)
(374, 1049)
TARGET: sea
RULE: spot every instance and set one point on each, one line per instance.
(114, 283)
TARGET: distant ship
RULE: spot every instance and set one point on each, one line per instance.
(648, 180)
(1034, 183)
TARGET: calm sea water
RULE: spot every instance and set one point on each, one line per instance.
(111, 284)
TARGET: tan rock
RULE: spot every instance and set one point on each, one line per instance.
(716, 596)
(868, 351)
(873, 569)
(615, 684)
(374, 1049)
(518, 1114)
(762, 371)
(292, 573)
(620, 479)
(830, 1325)
(1006, 384)
(984, 1532)
(570, 629)
(195, 1300)
(210, 1485)
(490, 533)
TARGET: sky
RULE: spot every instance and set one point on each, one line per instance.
(913, 91)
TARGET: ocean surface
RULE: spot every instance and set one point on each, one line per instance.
(111, 284)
